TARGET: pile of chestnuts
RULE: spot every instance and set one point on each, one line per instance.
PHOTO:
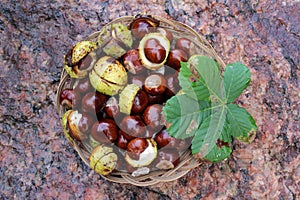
(121, 83)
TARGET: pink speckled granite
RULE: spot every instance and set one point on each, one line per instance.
(36, 161)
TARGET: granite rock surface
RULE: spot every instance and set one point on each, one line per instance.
(36, 161)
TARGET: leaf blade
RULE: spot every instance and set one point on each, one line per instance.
(209, 132)
(218, 154)
(196, 90)
(236, 79)
(210, 74)
(185, 115)
(243, 125)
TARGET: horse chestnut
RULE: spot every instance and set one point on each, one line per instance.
(67, 97)
(114, 40)
(125, 135)
(142, 25)
(108, 76)
(153, 99)
(155, 84)
(133, 125)
(163, 139)
(85, 123)
(132, 63)
(136, 146)
(137, 80)
(175, 57)
(166, 33)
(103, 159)
(83, 86)
(79, 124)
(122, 142)
(132, 100)
(172, 85)
(141, 152)
(140, 102)
(105, 131)
(152, 117)
(153, 50)
(93, 102)
(186, 45)
(80, 55)
(112, 107)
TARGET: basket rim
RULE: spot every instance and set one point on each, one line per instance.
(155, 177)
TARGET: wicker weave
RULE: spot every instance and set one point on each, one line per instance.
(187, 162)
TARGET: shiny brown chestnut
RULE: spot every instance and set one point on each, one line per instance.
(132, 100)
(175, 57)
(152, 117)
(141, 156)
(155, 84)
(104, 131)
(85, 123)
(136, 146)
(93, 102)
(172, 85)
(78, 124)
(121, 142)
(154, 51)
(67, 97)
(163, 139)
(133, 126)
(132, 63)
(112, 107)
(83, 86)
(166, 33)
(186, 45)
(140, 102)
(142, 25)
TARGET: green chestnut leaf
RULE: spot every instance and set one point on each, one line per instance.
(236, 79)
(243, 125)
(209, 131)
(218, 154)
(192, 86)
(201, 140)
(185, 120)
(210, 75)
(205, 110)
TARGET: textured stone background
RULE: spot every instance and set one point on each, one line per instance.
(37, 162)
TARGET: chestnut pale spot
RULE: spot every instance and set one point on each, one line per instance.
(155, 84)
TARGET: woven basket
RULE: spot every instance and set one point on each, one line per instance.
(187, 161)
